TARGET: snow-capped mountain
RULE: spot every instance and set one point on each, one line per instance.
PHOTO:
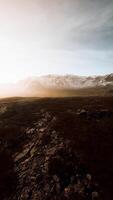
(55, 85)
(69, 81)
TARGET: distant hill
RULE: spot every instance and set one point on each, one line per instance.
(67, 85)
(70, 81)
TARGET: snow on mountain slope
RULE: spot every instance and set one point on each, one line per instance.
(70, 81)
(50, 85)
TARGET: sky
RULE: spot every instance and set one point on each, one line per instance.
(39, 37)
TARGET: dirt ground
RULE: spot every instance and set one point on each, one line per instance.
(87, 122)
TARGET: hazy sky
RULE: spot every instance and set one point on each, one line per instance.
(55, 37)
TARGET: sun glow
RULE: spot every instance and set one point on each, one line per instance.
(16, 62)
(45, 37)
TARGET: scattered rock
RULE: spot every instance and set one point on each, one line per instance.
(3, 109)
(49, 169)
(95, 195)
(82, 112)
(97, 114)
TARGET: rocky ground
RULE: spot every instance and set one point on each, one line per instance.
(40, 163)
(48, 168)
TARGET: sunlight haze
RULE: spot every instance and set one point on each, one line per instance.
(42, 37)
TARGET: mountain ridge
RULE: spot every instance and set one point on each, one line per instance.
(61, 85)
(71, 81)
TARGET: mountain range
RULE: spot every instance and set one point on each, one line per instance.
(57, 85)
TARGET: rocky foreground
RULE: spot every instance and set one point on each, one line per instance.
(56, 149)
(49, 169)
